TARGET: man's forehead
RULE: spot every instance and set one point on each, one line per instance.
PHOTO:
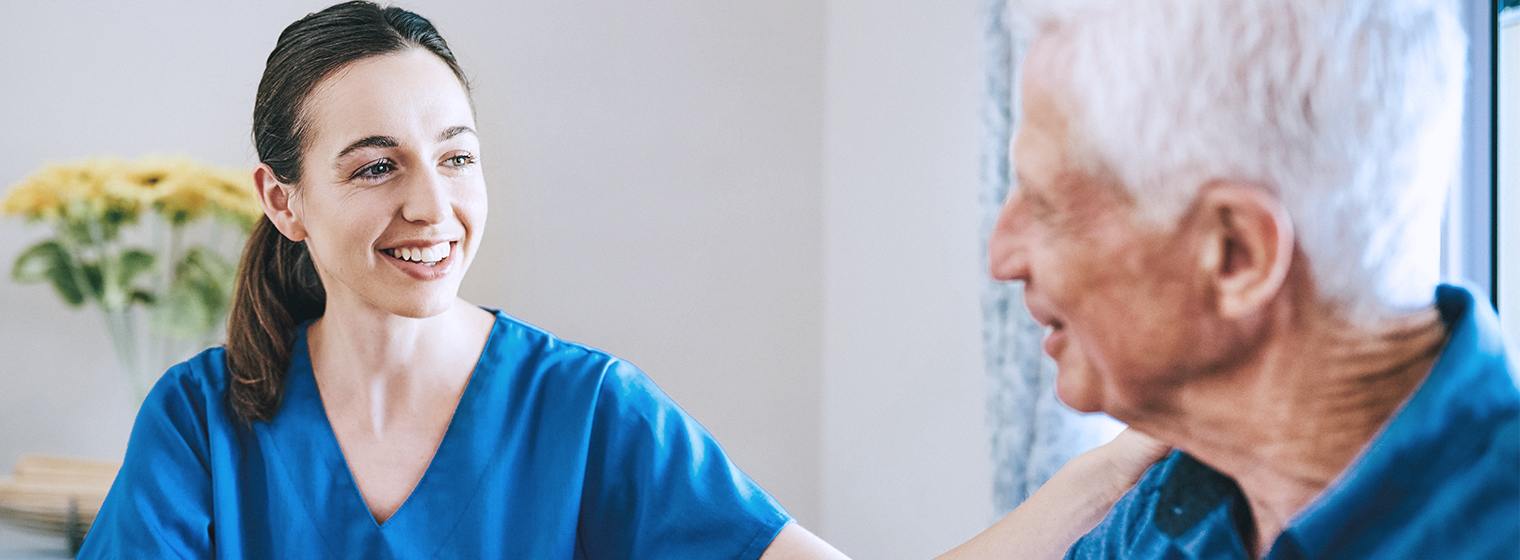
(1040, 141)
(1040, 82)
(1043, 52)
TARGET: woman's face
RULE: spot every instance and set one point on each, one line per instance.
(391, 200)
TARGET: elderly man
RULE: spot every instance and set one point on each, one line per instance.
(1227, 214)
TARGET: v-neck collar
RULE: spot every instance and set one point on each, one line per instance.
(307, 448)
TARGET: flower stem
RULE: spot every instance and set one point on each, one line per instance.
(119, 326)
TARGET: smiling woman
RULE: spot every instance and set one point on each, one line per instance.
(360, 406)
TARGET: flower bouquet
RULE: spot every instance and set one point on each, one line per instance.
(172, 274)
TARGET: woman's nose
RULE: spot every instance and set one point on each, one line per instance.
(427, 198)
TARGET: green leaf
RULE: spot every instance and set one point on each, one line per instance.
(49, 261)
(198, 299)
(181, 313)
(134, 262)
(33, 264)
(93, 277)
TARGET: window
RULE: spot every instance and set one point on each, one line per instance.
(1507, 191)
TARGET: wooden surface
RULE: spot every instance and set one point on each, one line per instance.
(51, 499)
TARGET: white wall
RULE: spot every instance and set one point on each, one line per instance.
(768, 205)
(658, 196)
(905, 467)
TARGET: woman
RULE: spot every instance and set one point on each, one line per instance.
(362, 410)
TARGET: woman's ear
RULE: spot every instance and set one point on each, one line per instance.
(275, 197)
(1249, 246)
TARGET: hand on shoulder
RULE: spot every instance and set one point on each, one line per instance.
(1069, 505)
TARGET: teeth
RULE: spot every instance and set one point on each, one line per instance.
(426, 255)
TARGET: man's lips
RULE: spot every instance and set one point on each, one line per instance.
(1055, 339)
(1055, 336)
(1040, 315)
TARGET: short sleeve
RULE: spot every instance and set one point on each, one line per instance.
(658, 486)
(159, 506)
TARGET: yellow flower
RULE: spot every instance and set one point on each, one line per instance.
(182, 202)
(179, 187)
(54, 190)
(120, 201)
(231, 190)
(33, 199)
(115, 192)
(150, 177)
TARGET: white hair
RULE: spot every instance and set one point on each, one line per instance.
(1349, 111)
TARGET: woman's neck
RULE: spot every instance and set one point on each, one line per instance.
(383, 367)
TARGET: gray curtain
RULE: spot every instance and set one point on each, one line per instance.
(1033, 434)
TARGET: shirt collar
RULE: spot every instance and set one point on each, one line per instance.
(1467, 387)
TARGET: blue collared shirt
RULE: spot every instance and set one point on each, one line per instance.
(1441, 481)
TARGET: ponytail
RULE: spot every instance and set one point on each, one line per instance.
(277, 289)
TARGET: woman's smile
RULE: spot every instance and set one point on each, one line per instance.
(422, 261)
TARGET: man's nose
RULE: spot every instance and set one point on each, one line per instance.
(427, 198)
(1007, 251)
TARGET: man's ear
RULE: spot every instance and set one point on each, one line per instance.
(275, 197)
(1249, 245)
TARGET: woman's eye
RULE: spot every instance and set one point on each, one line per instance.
(461, 160)
(376, 169)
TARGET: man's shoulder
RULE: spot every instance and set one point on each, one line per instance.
(1181, 508)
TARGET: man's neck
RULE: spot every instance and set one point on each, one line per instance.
(1287, 422)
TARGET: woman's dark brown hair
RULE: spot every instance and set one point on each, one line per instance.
(277, 286)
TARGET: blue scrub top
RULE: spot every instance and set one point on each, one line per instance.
(1441, 481)
(556, 450)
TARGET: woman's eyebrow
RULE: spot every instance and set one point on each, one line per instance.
(453, 131)
(370, 142)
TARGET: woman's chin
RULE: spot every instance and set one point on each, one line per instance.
(422, 306)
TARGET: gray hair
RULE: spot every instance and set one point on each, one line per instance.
(1349, 111)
